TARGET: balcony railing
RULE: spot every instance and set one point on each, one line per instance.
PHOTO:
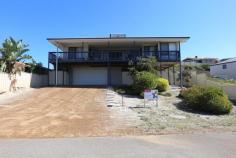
(167, 56)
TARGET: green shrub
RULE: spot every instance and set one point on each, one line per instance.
(144, 80)
(143, 64)
(182, 92)
(207, 99)
(162, 84)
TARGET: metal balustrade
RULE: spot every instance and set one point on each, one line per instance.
(165, 56)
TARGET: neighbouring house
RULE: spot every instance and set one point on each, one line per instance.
(199, 61)
(225, 69)
(105, 61)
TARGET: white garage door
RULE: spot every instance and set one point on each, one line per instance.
(90, 76)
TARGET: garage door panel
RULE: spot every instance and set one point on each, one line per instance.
(90, 76)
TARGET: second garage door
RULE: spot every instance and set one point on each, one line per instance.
(90, 76)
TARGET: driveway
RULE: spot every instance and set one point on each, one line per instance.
(60, 112)
(211, 145)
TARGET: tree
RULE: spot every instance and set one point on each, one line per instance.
(13, 57)
(35, 67)
(143, 64)
(187, 76)
(13, 53)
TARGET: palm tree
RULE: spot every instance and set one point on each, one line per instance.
(13, 53)
(12, 59)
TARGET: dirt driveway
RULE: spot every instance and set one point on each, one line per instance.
(60, 112)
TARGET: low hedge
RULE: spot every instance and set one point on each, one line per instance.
(144, 80)
(162, 84)
(207, 99)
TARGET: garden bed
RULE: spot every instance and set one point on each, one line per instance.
(172, 116)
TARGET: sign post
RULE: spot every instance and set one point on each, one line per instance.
(151, 95)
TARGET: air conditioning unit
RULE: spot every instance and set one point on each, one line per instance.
(117, 35)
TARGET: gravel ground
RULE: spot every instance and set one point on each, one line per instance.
(171, 117)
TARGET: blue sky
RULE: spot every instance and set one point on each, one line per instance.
(211, 24)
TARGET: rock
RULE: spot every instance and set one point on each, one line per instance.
(178, 116)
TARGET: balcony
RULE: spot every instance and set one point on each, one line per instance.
(105, 57)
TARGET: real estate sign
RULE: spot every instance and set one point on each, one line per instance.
(150, 94)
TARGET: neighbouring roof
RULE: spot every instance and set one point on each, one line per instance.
(230, 60)
(198, 59)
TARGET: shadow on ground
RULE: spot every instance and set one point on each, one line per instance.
(184, 107)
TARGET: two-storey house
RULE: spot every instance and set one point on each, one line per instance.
(105, 61)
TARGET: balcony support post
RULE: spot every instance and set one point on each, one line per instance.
(180, 68)
(63, 78)
(108, 67)
(169, 74)
(160, 69)
(48, 70)
(174, 74)
(56, 73)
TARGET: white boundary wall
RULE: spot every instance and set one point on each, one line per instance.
(25, 80)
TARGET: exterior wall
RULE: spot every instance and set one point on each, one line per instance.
(126, 78)
(84, 46)
(173, 77)
(198, 62)
(61, 80)
(192, 63)
(25, 80)
(228, 73)
(116, 76)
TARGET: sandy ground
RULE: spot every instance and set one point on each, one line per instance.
(60, 112)
(10, 97)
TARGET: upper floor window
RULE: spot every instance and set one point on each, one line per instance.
(172, 47)
(168, 47)
(224, 66)
(149, 50)
(72, 49)
(75, 49)
(164, 46)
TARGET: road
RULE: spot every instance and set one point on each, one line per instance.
(211, 145)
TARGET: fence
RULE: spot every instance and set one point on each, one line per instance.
(25, 80)
(203, 79)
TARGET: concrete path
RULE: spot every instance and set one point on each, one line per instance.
(211, 145)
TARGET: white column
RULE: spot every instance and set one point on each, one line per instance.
(57, 67)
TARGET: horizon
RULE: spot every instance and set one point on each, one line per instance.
(210, 25)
